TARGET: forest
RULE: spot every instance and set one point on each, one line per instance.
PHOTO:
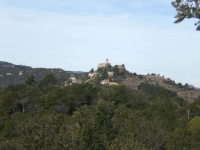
(44, 116)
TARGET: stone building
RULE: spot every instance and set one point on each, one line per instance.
(105, 82)
(110, 74)
(113, 83)
(74, 80)
(102, 65)
(93, 74)
(77, 81)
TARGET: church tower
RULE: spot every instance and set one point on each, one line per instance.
(101, 65)
(106, 60)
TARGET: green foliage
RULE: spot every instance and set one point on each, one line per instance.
(194, 124)
(118, 94)
(109, 68)
(156, 90)
(140, 77)
(134, 74)
(68, 99)
(170, 82)
(116, 70)
(91, 71)
(20, 73)
(194, 108)
(187, 9)
(39, 132)
(186, 137)
(10, 145)
(97, 130)
(30, 80)
(84, 116)
(104, 74)
(119, 71)
(180, 85)
(15, 88)
(49, 79)
(100, 70)
(186, 86)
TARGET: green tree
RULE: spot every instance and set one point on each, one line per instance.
(91, 71)
(104, 74)
(186, 86)
(134, 74)
(39, 132)
(180, 85)
(116, 70)
(187, 9)
(140, 77)
(30, 80)
(49, 79)
(94, 129)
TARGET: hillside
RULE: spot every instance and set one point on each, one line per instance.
(17, 74)
(84, 116)
(5, 64)
(106, 74)
(108, 109)
(189, 94)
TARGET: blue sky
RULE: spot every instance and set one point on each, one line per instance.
(79, 34)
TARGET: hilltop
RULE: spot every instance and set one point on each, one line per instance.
(185, 91)
(105, 75)
(95, 110)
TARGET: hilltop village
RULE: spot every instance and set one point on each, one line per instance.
(96, 109)
(104, 75)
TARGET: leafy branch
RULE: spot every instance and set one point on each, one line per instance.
(187, 9)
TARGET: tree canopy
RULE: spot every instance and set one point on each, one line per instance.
(44, 115)
(187, 9)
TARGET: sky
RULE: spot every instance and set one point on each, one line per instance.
(76, 35)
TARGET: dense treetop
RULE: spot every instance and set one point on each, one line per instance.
(43, 115)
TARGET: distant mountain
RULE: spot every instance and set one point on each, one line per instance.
(17, 74)
(75, 73)
(5, 64)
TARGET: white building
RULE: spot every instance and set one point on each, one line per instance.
(105, 82)
(113, 83)
(93, 74)
(110, 74)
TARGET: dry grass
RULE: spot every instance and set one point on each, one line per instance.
(134, 82)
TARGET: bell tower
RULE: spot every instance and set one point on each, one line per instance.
(106, 60)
